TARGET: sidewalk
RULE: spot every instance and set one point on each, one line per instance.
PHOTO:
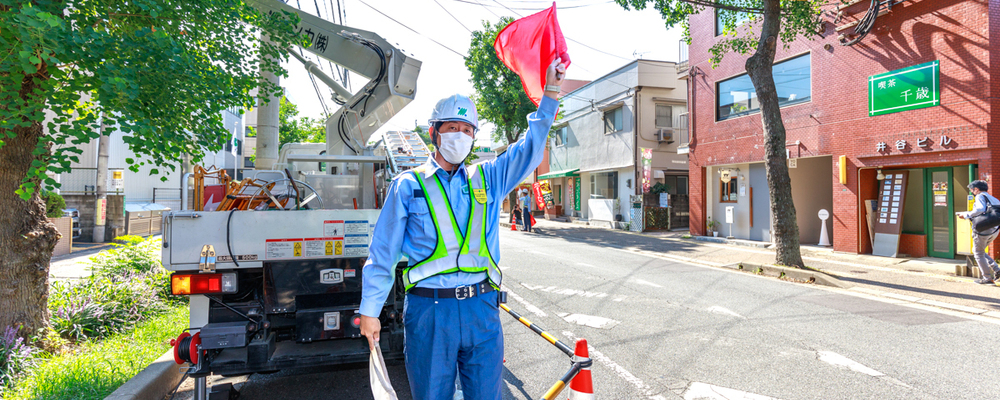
(926, 281)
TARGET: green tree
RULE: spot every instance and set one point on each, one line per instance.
(499, 97)
(776, 20)
(297, 130)
(161, 71)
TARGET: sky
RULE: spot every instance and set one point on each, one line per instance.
(601, 37)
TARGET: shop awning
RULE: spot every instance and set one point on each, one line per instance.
(559, 174)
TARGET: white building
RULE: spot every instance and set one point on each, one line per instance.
(141, 187)
(595, 158)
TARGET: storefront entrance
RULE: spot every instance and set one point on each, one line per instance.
(939, 215)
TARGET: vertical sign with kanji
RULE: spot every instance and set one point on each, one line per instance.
(576, 193)
(904, 89)
(889, 214)
(647, 168)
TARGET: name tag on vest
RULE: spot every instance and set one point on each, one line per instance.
(480, 195)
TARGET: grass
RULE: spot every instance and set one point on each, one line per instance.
(95, 370)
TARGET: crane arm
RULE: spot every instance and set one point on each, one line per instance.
(392, 74)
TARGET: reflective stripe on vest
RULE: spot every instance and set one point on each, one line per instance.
(453, 252)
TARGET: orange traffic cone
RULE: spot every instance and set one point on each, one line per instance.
(513, 226)
(581, 387)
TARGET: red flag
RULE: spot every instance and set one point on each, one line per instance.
(527, 46)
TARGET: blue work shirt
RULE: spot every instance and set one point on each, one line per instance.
(526, 202)
(405, 226)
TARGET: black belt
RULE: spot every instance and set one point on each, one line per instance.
(461, 292)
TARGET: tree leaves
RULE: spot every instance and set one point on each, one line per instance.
(159, 70)
(798, 18)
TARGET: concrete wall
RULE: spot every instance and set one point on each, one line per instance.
(811, 192)
(741, 217)
(761, 229)
(665, 157)
(65, 227)
(114, 224)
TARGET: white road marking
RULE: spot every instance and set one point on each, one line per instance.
(723, 310)
(647, 283)
(618, 369)
(589, 320)
(636, 250)
(841, 361)
(527, 306)
(698, 391)
(585, 265)
(565, 291)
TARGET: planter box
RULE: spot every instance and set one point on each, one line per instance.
(65, 227)
(554, 212)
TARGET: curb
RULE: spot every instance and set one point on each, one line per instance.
(793, 274)
(153, 382)
(735, 242)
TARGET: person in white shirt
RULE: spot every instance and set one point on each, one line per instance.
(987, 265)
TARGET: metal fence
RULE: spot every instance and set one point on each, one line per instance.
(166, 194)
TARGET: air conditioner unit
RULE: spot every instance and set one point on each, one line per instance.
(665, 135)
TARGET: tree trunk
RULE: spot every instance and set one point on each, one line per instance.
(26, 235)
(759, 68)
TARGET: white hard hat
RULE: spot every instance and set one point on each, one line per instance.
(455, 108)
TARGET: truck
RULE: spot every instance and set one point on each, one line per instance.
(274, 281)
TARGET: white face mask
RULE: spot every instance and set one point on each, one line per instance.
(455, 146)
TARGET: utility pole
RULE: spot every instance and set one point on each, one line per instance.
(267, 124)
(100, 217)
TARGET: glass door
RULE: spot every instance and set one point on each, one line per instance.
(939, 213)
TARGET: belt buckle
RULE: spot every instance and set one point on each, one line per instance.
(464, 292)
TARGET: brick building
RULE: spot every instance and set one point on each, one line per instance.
(832, 112)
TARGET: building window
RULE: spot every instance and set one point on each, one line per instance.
(664, 116)
(677, 184)
(728, 191)
(736, 97)
(613, 120)
(560, 138)
(604, 185)
(722, 15)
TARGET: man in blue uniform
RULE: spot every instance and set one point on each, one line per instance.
(444, 217)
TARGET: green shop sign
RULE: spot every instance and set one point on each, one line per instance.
(904, 89)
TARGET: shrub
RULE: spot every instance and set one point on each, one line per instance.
(133, 255)
(54, 204)
(15, 357)
(100, 306)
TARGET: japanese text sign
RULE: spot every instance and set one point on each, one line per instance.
(904, 89)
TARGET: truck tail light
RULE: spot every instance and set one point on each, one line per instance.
(187, 284)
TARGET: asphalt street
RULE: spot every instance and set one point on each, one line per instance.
(663, 329)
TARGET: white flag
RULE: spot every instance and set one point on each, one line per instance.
(379, 377)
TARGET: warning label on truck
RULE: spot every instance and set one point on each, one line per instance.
(356, 250)
(333, 228)
(356, 227)
(356, 239)
(324, 247)
(282, 248)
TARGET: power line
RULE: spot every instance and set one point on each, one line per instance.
(452, 16)
(412, 30)
(539, 8)
(567, 37)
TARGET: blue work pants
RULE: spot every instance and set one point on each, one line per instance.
(443, 333)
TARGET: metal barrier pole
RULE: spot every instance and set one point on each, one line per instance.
(578, 363)
(541, 332)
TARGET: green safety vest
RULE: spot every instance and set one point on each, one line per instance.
(453, 252)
